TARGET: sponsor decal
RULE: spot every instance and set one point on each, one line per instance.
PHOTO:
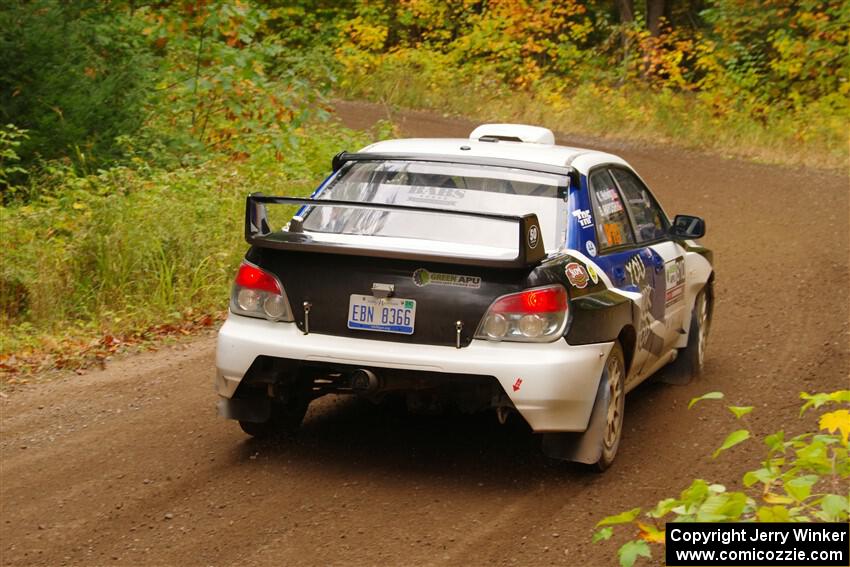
(652, 311)
(675, 274)
(647, 339)
(583, 217)
(607, 195)
(611, 209)
(533, 236)
(674, 295)
(591, 247)
(650, 321)
(422, 277)
(613, 234)
(517, 384)
(594, 277)
(636, 269)
(576, 274)
(446, 196)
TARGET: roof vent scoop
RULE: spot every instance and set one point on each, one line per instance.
(513, 133)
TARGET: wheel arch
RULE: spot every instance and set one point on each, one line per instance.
(628, 342)
(708, 286)
(709, 294)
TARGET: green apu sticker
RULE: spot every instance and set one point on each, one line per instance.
(422, 277)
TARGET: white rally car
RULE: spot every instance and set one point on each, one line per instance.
(497, 272)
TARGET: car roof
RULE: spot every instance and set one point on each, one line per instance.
(495, 147)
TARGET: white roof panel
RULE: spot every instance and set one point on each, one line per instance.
(579, 158)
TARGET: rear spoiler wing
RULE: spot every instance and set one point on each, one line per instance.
(530, 249)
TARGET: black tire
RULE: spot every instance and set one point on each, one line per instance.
(614, 379)
(690, 362)
(257, 430)
(285, 420)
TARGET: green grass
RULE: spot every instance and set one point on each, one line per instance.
(132, 247)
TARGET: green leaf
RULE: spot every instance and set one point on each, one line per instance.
(773, 514)
(622, 518)
(731, 440)
(740, 411)
(763, 475)
(835, 508)
(775, 441)
(708, 396)
(826, 439)
(799, 488)
(710, 511)
(631, 551)
(603, 534)
(817, 400)
(815, 456)
(664, 507)
(696, 492)
(722, 507)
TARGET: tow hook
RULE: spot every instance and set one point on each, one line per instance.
(307, 306)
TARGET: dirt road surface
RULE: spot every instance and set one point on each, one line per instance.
(131, 466)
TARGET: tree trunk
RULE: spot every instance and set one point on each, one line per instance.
(627, 11)
(655, 10)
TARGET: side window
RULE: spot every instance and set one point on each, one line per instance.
(612, 223)
(649, 222)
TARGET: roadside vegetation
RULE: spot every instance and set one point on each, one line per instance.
(130, 139)
(130, 131)
(804, 478)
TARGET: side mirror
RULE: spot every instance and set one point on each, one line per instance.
(687, 227)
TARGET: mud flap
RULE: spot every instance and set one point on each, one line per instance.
(582, 447)
(257, 410)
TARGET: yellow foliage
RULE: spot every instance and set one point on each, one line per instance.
(772, 498)
(365, 34)
(838, 420)
(651, 533)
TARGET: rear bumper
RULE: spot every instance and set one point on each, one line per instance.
(558, 381)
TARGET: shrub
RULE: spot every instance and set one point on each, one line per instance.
(129, 247)
(802, 479)
(75, 75)
(11, 138)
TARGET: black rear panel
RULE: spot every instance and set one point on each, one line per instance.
(328, 280)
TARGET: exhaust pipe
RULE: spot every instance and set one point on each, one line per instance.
(363, 381)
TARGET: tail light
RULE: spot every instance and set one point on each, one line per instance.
(257, 293)
(533, 315)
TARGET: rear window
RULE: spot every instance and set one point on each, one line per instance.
(461, 187)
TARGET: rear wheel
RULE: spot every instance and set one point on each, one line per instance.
(285, 419)
(614, 378)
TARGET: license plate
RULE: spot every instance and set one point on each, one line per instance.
(390, 315)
